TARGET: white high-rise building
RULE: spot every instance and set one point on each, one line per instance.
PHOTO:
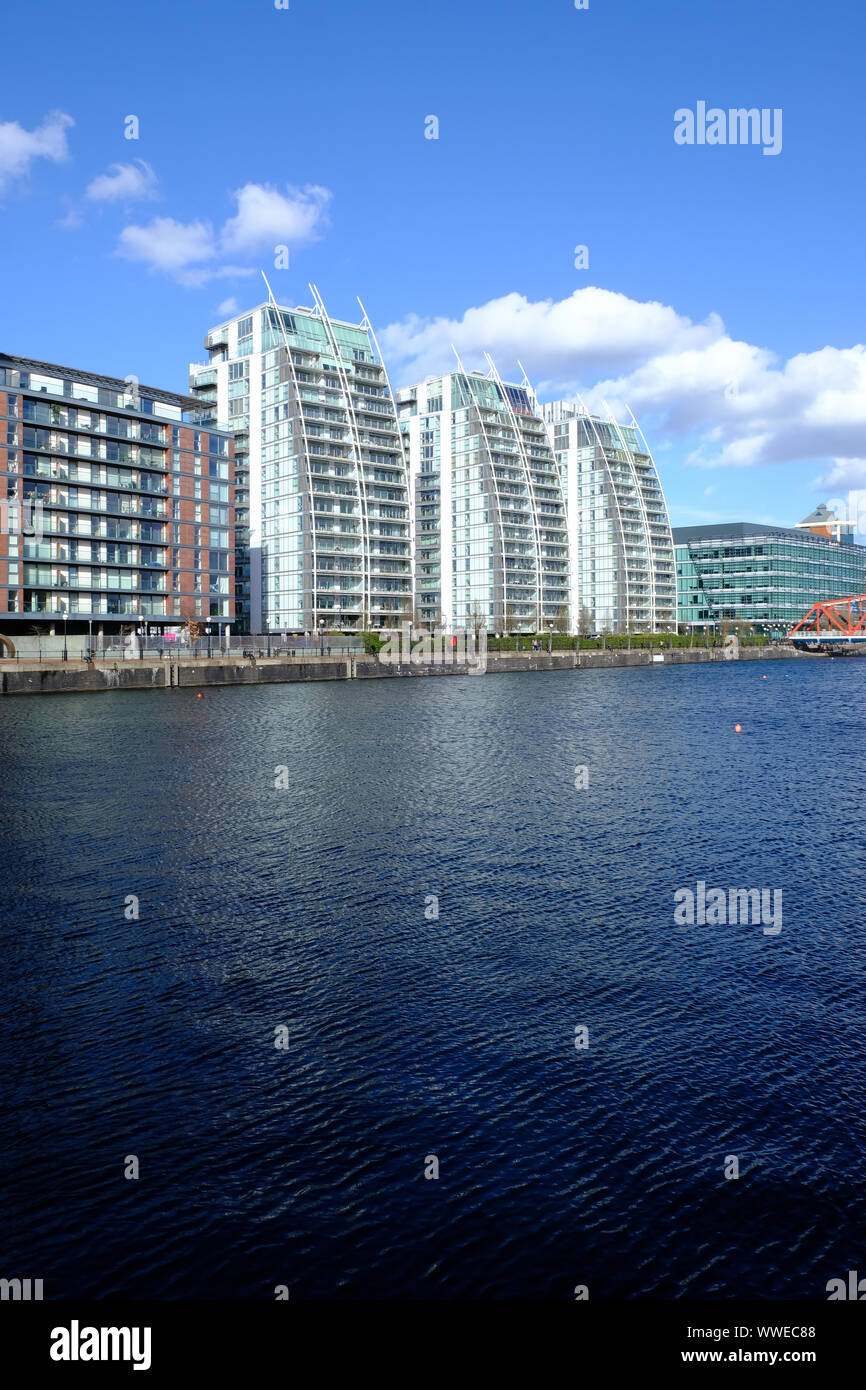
(623, 570)
(491, 546)
(323, 525)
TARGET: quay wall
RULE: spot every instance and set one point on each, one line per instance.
(75, 677)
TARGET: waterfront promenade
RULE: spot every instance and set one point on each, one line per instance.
(72, 677)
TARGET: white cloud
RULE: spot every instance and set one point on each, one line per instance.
(129, 182)
(734, 402)
(184, 249)
(72, 220)
(167, 245)
(228, 307)
(266, 217)
(19, 147)
(179, 249)
(564, 340)
(750, 409)
(845, 473)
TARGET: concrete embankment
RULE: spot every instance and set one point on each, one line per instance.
(35, 678)
(72, 677)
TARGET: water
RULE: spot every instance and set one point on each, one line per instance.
(411, 1036)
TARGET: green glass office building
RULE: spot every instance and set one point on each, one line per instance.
(769, 576)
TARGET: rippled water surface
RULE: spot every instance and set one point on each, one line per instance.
(412, 1036)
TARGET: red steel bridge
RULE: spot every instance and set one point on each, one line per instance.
(838, 620)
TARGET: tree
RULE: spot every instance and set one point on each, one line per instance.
(585, 622)
(424, 623)
(560, 622)
(478, 620)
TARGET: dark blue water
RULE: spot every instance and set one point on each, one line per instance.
(411, 1036)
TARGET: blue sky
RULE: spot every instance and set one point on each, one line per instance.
(724, 295)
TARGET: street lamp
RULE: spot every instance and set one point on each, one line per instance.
(321, 637)
(549, 636)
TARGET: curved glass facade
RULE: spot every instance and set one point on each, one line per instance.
(490, 525)
(622, 554)
(323, 473)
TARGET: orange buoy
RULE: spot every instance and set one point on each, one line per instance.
(738, 728)
(763, 678)
(198, 696)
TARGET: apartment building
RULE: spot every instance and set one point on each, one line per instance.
(117, 505)
(323, 503)
(623, 573)
(491, 542)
